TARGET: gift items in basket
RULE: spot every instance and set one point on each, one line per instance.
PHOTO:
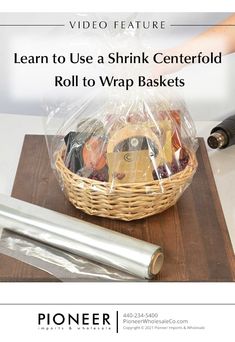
(124, 157)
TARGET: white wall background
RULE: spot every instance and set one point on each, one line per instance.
(209, 108)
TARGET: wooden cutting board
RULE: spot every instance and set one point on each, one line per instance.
(193, 233)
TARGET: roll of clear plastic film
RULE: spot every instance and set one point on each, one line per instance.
(81, 238)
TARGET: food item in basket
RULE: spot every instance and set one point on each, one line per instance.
(100, 175)
(74, 142)
(93, 153)
(177, 165)
(84, 147)
(133, 149)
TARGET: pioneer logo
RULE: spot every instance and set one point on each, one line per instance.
(84, 320)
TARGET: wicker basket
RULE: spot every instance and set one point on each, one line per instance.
(127, 202)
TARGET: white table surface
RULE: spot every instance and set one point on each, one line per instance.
(14, 127)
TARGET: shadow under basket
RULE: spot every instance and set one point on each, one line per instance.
(130, 201)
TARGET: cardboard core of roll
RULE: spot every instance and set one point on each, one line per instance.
(156, 263)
